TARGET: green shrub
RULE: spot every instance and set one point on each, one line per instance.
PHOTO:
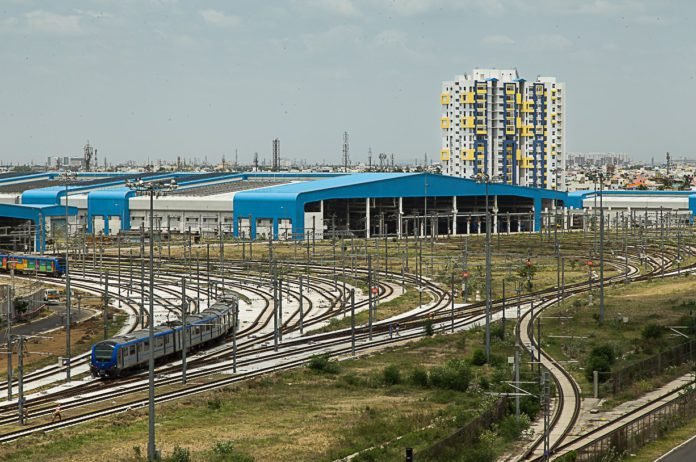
(454, 375)
(391, 375)
(484, 384)
(322, 363)
(214, 404)
(652, 332)
(352, 380)
(224, 451)
(419, 377)
(179, 455)
(600, 359)
(479, 358)
(510, 428)
(428, 327)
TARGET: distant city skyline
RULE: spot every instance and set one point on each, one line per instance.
(166, 78)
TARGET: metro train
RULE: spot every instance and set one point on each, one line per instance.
(124, 354)
(52, 266)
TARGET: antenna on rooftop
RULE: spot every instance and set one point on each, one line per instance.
(369, 158)
(346, 157)
(276, 155)
(668, 163)
(88, 154)
(256, 161)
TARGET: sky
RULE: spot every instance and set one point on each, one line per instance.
(159, 79)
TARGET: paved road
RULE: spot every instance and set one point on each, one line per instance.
(684, 453)
(53, 320)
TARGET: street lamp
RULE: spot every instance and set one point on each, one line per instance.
(486, 179)
(152, 189)
(67, 177)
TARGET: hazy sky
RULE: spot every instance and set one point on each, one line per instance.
(162, 78)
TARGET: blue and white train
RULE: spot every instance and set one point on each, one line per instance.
(121, 355)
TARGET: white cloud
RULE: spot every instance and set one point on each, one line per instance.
(497, 41)
(336, 36)
(391, 38)
(549, 42)
(220, 19)
(338, 7)
(53, 24)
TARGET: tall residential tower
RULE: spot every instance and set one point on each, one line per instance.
(495, 122)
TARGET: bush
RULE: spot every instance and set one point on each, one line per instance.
(510, 429)
(224, 451)
(419, 377)
(322, 363)
(391, 375)
(454, 375)
(428, 328)
(652, 332)
(497, 331)
(600, 359)
(484, 384)
(214, 404)
(479, 358)
(179, 455)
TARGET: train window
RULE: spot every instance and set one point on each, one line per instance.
(159, 342)
(131, 350)
(146, 345)
(166, 340)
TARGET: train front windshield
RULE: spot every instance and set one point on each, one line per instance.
(103, 351)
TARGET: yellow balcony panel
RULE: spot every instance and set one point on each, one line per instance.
(445, 98)
(518, 98)
(467, 122)
(509, 129)
(467, 97)
(518, 121)
(467, 154)
(445, 122)
(445, 155)
(480, 148)
(509, 89)
(481, 131)
(482, 88)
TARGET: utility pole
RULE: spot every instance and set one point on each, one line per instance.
(452, 297)
(369, 293)
(352, 321)
(20, 378)
(184, 330)
(8, 336)
(601, 249)
(301, 308)
(235, 326)
(106, 305)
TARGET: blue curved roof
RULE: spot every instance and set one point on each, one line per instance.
(287, 201)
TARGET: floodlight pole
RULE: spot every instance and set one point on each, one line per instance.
(66, 177)
(151, 448)
(601, 249)
(151, 189)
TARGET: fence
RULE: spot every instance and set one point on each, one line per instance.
(652, 366)
(641, 431)
(468, 433)
(25, 306)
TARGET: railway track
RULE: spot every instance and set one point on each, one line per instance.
(252, 350)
